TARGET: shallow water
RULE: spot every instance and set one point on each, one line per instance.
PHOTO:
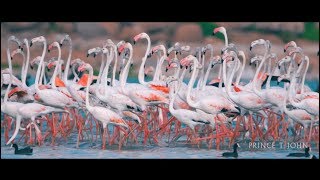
(180, 150)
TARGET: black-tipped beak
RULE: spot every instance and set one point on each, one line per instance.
(87, 55)
(255, 65)
(278, 82)
(145, 75)
(213, 33)
(48, 50)
(131, 65)
(284, 50)
(94, 55)
(149, 55)
(48, 69)
(167, 54)
(187, 67)
(238, 109)
(166, 69)
(212, 65)
(60, 44)
(166, 84)
(31, 67)
(134, 42)
(19, 47)
(119, 53)
(204, 53)
(119, 72)
(177, 52)
(221, 52)
(181, 66)
(30, 43)
(180, 53)
(250, 64)
(299, 64)
(279, 66)
(250, 48)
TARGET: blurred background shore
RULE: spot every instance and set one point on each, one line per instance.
(88, 35)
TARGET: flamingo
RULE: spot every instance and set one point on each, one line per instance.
(104, 115)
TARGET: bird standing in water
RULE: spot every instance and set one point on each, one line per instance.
(305, 154)
(25, 151)
(232, 154)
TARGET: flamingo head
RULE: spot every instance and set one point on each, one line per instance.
(121, 46)
(36, 60)
(140, 36)
(24, 43)
(172, 65)
(84, 67)
(17, 51)
(219, 29)
(52, 64)
(187, 60)
(215, 60)
(257, 42)
(54, 44)
(207, 47)
(296, 50)
(108, 42)
(286, 59)
(66, 37)
(104, 50)
(15, 39)
(158, 48)
(230, 47)
(289, 44)
(93, 51)
(148, 70)
(255, 59)
(76, 61)
(40, 39)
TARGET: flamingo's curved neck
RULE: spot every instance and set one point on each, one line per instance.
(225, 38)
(113, 49)
(23, 69)
(124, 73)
(103, 62)
(219, 76)
(66, 71)
(58, 64)
(141, 70)
(10, 69)
(27, 63)
(242, 68)
(304, 75)
(205, 79)
(255, 78)
(87, 89)
(191, 82)
(228, 83)
(158, 73)
(39, 66)
(105, 71)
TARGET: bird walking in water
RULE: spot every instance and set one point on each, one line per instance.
(305, 154)
(232, 154)
(24, 151)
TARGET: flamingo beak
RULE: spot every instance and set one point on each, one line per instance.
(250, 48)
(134, 42)
(284, 50)
(166, 69)
(87, 54)
(31, 43)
